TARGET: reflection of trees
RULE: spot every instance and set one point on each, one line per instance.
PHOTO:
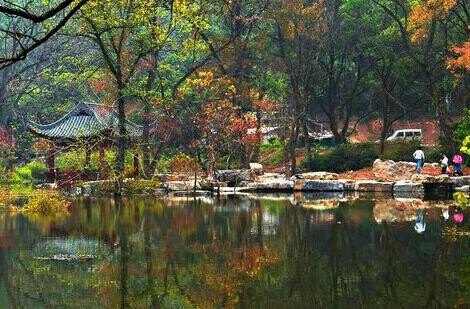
(220, 255)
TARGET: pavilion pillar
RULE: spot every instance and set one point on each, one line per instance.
(87, 156)
(102, 160)
(50, 162)
(136, 164)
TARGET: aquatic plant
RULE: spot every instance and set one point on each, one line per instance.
(461, 199)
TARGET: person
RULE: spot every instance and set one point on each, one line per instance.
(418, 155)
(444, 164)
(457, 160)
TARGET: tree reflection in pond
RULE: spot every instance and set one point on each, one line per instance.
(232, 252)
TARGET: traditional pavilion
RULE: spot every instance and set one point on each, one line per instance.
(87, 125)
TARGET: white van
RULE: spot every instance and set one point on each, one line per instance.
(406, 134)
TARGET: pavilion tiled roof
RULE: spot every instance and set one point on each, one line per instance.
(85, 120)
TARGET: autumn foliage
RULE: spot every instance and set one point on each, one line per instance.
(222, 124)
(6, 140)
(425, 13)
(461, 61)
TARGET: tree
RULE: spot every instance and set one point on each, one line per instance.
(424, 30)
(221, 124)
(25, 33)
(295, 27)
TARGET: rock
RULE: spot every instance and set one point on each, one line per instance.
(181, 186)
(86, 189)
(274, 184)
(210, 184)
(461, 181)
(373, 186)
(47, 186)
(348, 184)
(388, 170)
(441, 179)
(318, 176)
(73, 191)
(172, 177)
(408, 189)
(462, 189)
(407, 186)
(233, 177)
(318, 185)
(256, 168)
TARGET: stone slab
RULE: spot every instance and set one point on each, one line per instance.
(318, 185)
(373, 186)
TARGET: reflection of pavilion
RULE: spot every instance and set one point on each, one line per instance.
(87, 125)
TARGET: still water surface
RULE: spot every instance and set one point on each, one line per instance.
(259, 252)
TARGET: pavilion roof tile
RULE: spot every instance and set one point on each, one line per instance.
(85, 120)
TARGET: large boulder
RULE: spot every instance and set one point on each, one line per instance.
(388, 170)
(234, 177)
(256, 168)
(429, 179)
(373, 186)
(318, 176)
(318, 185)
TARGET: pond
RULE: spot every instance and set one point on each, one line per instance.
(248, 251)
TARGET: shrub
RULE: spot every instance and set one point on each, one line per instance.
(344, 157)
(46, 203)
(273, 143)
(38, 170)
(182, 163)
(32, 172)
(462, 128)
(74, 161)
(272, 152)
(400, 151)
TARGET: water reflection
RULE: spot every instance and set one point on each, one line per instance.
(458, 215)
(420, 225)
(245, 251)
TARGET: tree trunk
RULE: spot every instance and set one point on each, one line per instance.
(50, 160)
(102, 161)
(122, 139)
(442, 115)
(308, 144)
(146, 148)
(293, 146)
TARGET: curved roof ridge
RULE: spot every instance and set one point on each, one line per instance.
(62, 119)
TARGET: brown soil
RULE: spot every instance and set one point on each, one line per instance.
(366, 173)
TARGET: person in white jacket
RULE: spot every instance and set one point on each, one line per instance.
(444, 164)
(418, 155)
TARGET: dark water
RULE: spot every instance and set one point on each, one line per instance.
(235, 252)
